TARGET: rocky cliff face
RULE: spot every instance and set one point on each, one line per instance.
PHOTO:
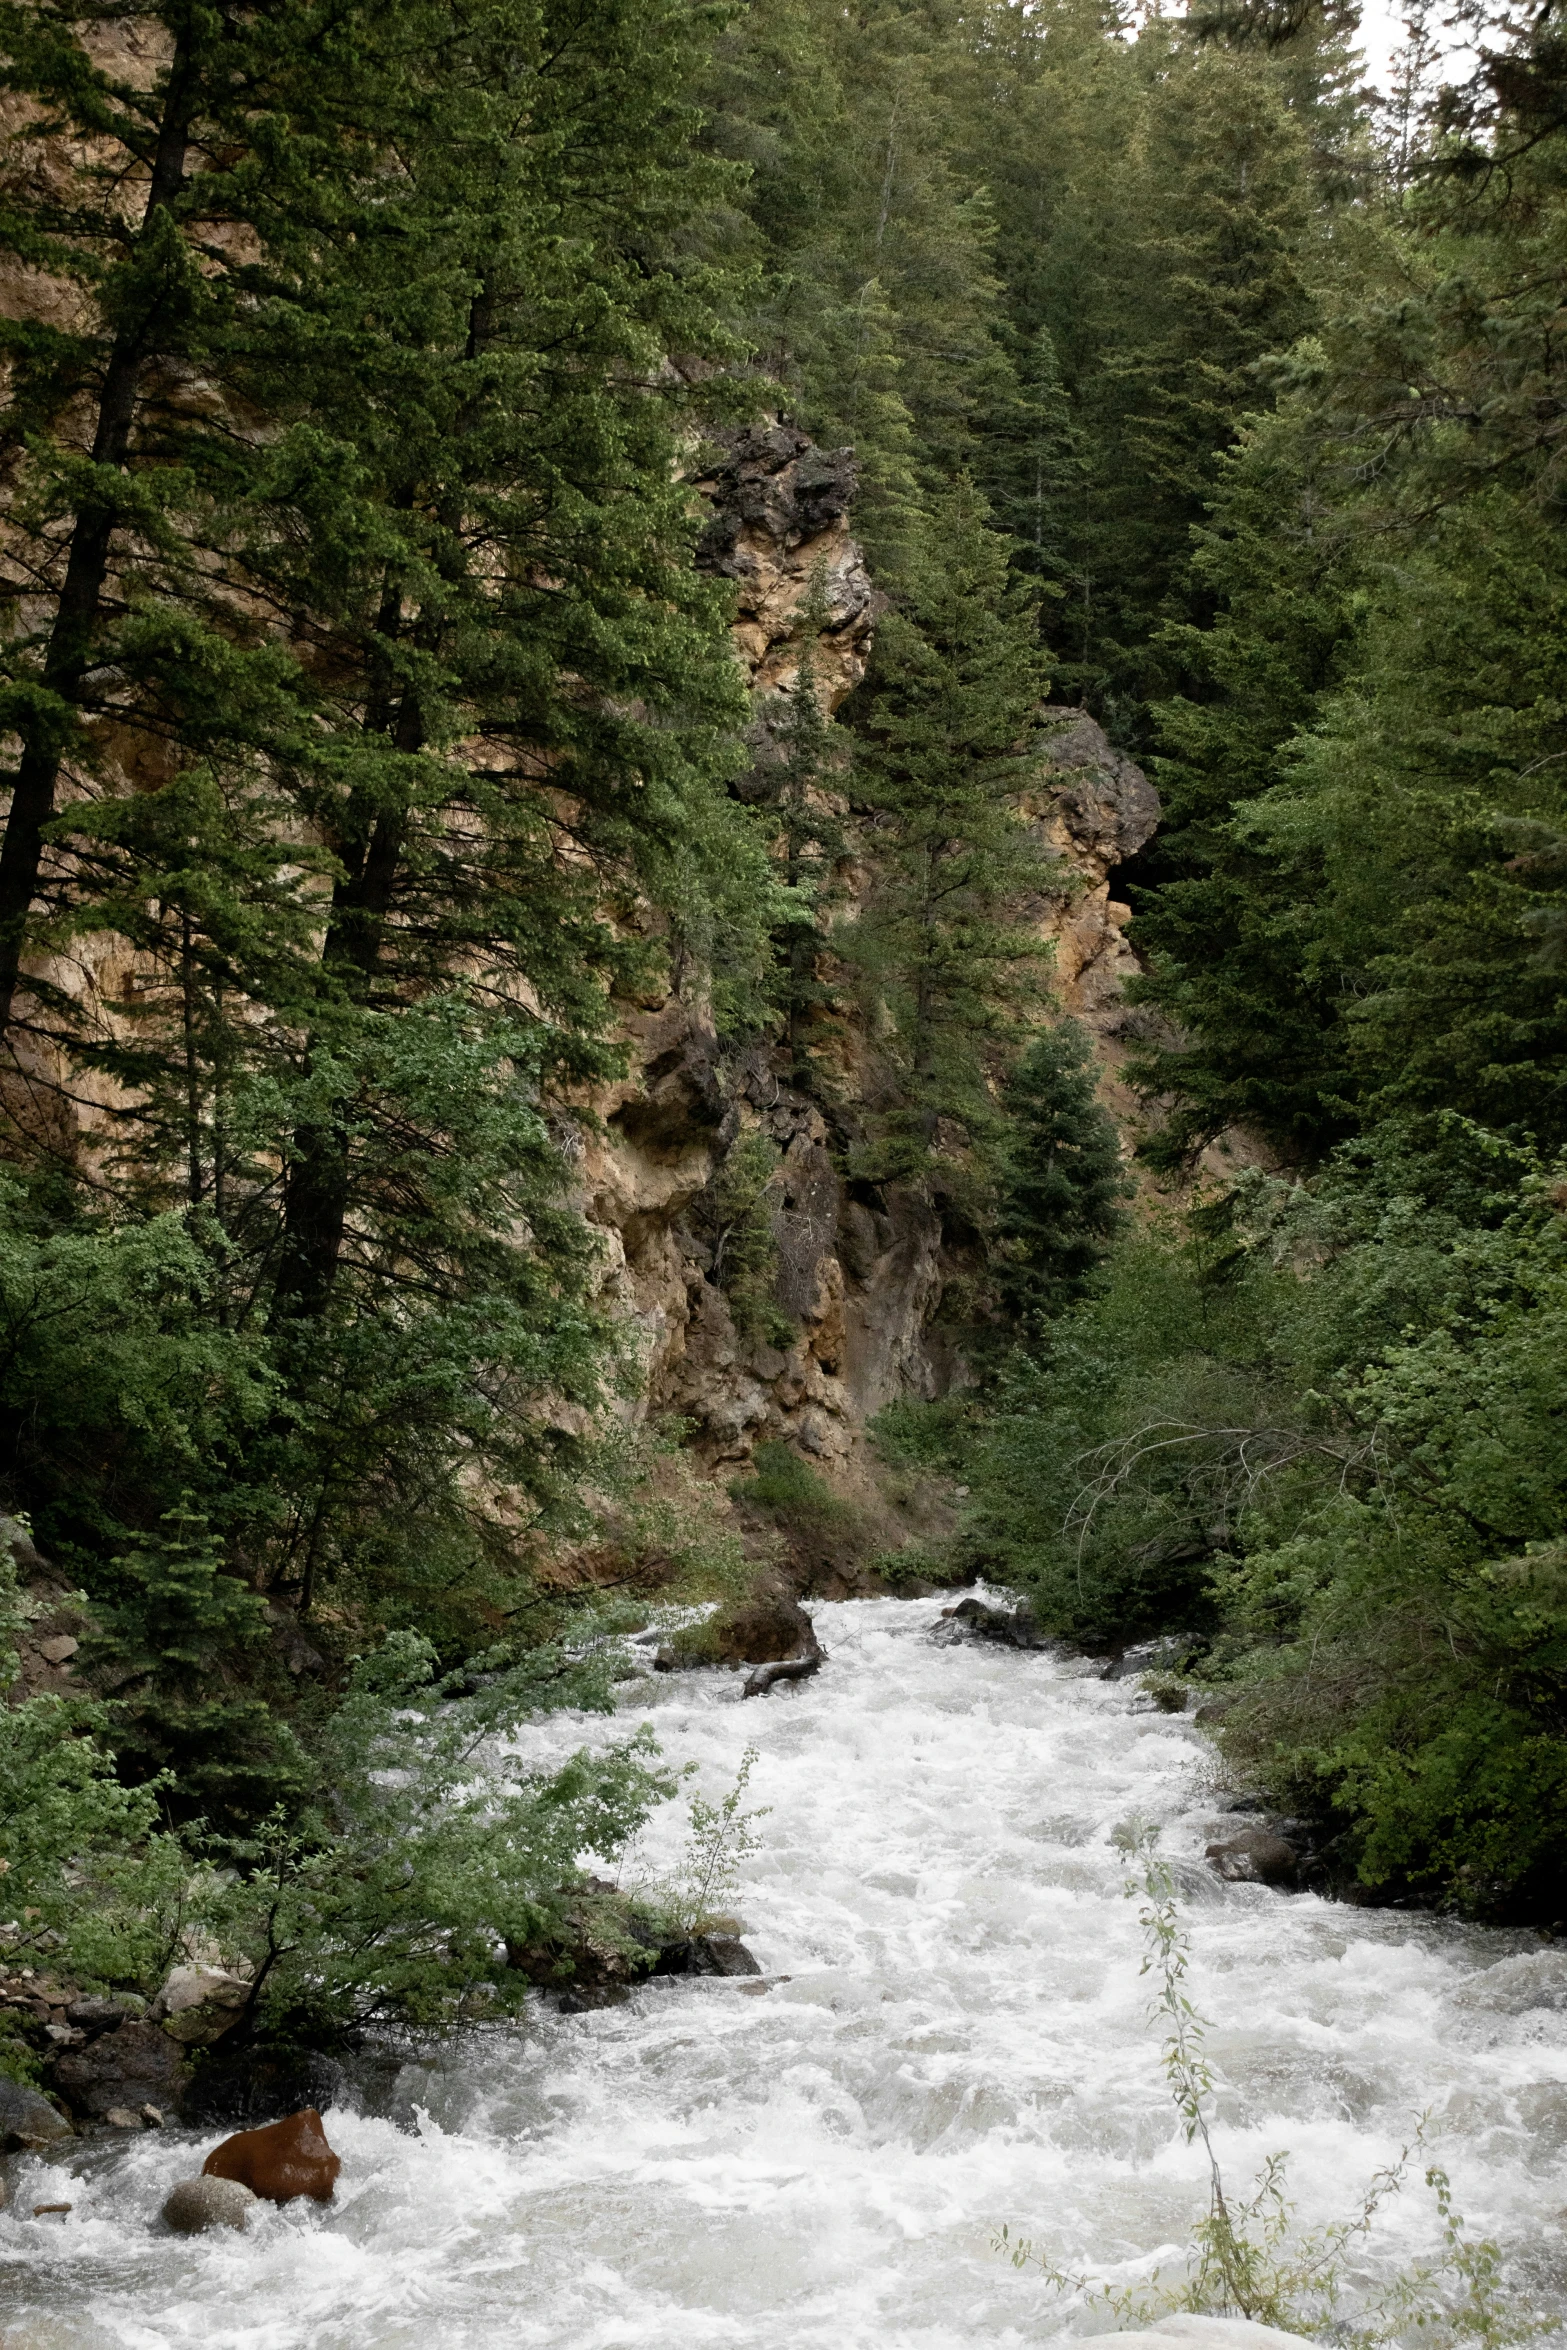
(862, 1270)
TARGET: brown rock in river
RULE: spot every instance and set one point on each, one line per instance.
(286, 2159)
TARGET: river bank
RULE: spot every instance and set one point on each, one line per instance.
(949, 2033)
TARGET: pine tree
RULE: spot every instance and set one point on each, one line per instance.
(146, 206)
(943, 752)
(1063, 1184)
(1253, 1021)
(411, 618)
(805, 786)
(876, 297)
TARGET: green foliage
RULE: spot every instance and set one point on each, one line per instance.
(721, 1839)
(1332, 1452)
(432, 1848)
(1257, 1021)
(745, 1244)
(911, 1563)
(1063, 1184)
(89, 1882)
(941, 757)
(874, 300)
(120, 1387)
(360, 702)
(1354, 912)
(790, 1490)
(170, 1648)
(933, 1436)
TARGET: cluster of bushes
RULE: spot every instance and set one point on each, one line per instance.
(1319, 1432)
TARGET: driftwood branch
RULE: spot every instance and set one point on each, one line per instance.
(792, 1668)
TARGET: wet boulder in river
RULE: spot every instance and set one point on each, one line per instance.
(1255, 1856)
(759, 1631)
(133, 2065)
(707, 1954)
(27, 2121)
(285, 2160)
(974, 1619)
(199, 2204)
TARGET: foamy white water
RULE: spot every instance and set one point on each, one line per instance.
(962, 2041)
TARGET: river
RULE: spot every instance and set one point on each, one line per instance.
(962, 2040)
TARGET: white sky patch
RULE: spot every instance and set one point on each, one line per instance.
(1381, 32)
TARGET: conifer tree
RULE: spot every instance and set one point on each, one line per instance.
(142, 206)
(410, 617)
(1253, 1033)
(1062, 1182)
(943, 752)
(876, 299)
(805, 793)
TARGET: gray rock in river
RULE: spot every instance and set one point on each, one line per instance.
(29, 2122)
(1255, 1856)
(972, 1619)
(134, 2065)
(707, 1954)
(199, 2204)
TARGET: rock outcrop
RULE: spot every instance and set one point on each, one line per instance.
(1095, 809)
(758, 1631)
(126, 2070)
(780, 531)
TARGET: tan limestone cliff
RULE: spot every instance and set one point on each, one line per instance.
(862, 1270)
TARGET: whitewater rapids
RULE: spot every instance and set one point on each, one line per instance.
(962, 2040)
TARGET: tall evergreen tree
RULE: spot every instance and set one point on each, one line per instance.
(806, 794)
(1253, 1034)
(407, 607)
(876, 294)
(1063, 1186)
(943, 753)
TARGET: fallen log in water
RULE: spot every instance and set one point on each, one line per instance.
(792, 1668)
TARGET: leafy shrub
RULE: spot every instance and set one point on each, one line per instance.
(745, 1245)
(1334, 1450)
(89, 1881)
(720, 1840)
(432, 1846)
(936, 1437)
(790, 1490)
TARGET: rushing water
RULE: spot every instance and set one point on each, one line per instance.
(955, 2035)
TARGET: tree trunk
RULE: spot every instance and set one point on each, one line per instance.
(69, 653)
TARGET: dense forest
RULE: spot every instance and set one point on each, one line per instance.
(374, 736)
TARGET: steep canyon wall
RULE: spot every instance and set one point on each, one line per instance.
(863, 1270)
